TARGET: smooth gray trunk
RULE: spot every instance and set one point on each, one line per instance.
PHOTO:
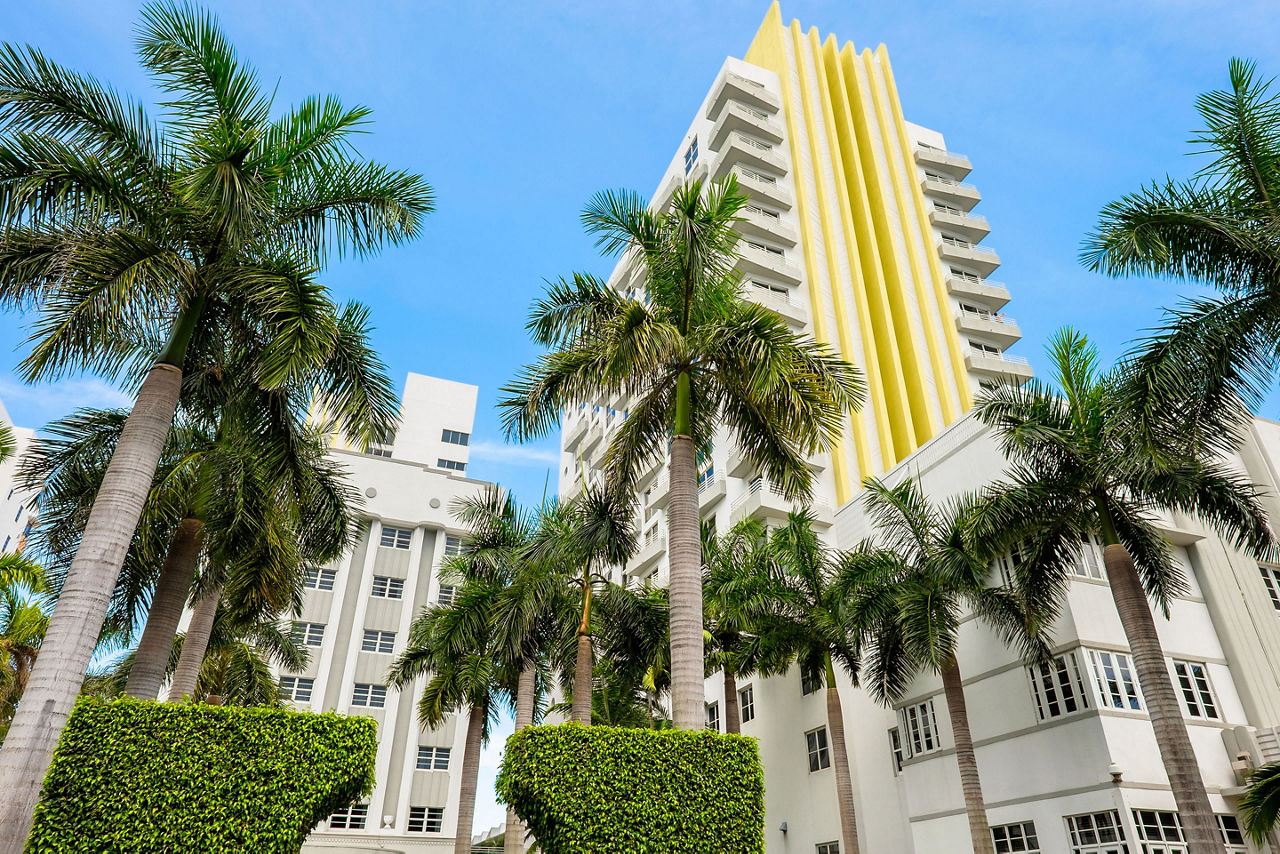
(582, 672)
(77, 618)
(688, 699)
(840, 762)
(187, 674)
(732, 714)
(470, 774)
(526, 700)
(151, 662)
(970, 783)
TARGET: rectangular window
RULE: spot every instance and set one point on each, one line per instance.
(828, 848)
(1160, 832)
(809, 682)
(5, 547)
(1113, 674)
(452, 545)
(446, 595)
(895, 750)
(320, 579)
(1271, 578)
(451, 465)
(311, 634)
(378, 641)
(1097, 833)
(385, 587)
(920, 726)
(747, 703)
(1197, 696)
(691, 156)
(426, 819)
(1088, 562)
(395, 538)
(455, 437)
(296, 688)
(1016, 838)
(433, 758)
(819, 756)
(1058, 686)
(379, 451)
(353, 817)
(1232, 835)
(369, 696)
(713, 716)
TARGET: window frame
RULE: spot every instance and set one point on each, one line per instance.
(713, 716)
(1114, 825)
(1126, 680)
(431, 820)
(307, 634)
(451, 465)
(434, 756)
(747, 704)
(455, 437)
(1026, 837)
(354, 817)
(383, 642)
(374, 696)
(317, 577)
(1077, 683)
(397, 536)
(818, 747)
(1196, 694)
(295, 687)
(919, 725)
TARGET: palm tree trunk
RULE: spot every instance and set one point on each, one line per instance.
(1179, 756)
(732, 717)
(151, 662)
(840, 757)
(583, 665)
(526, 699)
(82, 606)
(470, 774)
(970, 783)
(194, 646)
(688, 700)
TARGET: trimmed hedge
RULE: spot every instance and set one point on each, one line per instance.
(586, 790)
(130, 775)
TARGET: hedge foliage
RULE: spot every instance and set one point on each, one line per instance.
(586, 790)
(133, 776)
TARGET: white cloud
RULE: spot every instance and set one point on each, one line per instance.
(516, 455)
(36, 405)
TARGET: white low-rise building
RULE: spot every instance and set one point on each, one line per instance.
(17, 505)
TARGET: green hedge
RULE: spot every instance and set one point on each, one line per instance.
(584, 790)
(132, 776)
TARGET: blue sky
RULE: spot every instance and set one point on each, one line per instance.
(518, 112)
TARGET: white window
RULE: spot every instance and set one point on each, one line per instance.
(1271, 578)
(311, 634)
(816, 742)
(1160, 832)
(353, 817)
(379, 451)
(451, 465)
(378, 641)
(296, 688)
(809, 682)
(1096, 833)
(452, 545)
(747, 703)
(920, 726)
(1232, 835)
(895, 750)
(426, 819)
(395, 538)
(1088, 563)
(1113, 674)
(455, 437)
(320, 579)
(1016, 838)
(828, 848)
(447, 594)
(1008, 564)
(1197, 695)
(385, 587)
(713, 716)
(433, 758)
(1059, 686)
(369, 696)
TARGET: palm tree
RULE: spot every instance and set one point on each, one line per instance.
(813, 618)
(1260, 806)
(455, 647)
(206, 229)
(1213, 353)
(690, 356)
(920, 577)
(635, 655)
(737, 594)
(1083, 463)
(8, 444)
(24, 620)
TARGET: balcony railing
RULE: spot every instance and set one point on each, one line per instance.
(988, 317)
(1002, 357)
(943, 179)
(964, 244)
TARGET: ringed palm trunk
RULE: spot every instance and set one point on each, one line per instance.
(582, 669)
(151, 661)
(970, 783)
(688, 701)
(1179, 757)
(194, 646)
(526, 689)
(470, 774)
(732, 717)
(82, 606)
(840, 759)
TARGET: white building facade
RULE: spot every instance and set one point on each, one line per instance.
(17, 505)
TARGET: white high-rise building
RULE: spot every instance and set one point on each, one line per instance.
(17, 505)
(357, 612)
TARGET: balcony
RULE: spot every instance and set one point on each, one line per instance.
(993, 294)
(761, 262)
(660, 492)
(730, 87)
(1009, 368)
(963, 196)
(595, 434)
(940, 160)
(993, 327)
(753, 223)
(575, 431)
(764, 502)
(971, 226)
(792, 312)
(652, 548)
(763, 189)
(981, 259)
(742, 149)
(710, 490)
(743, 119)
